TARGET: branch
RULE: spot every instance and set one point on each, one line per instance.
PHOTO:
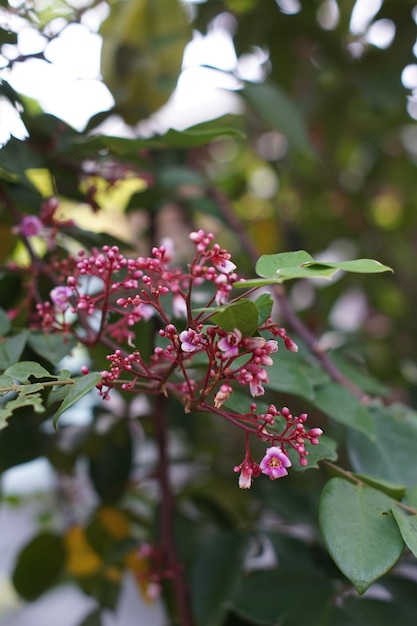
(166, 516)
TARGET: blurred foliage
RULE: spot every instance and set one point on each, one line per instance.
(323, 158)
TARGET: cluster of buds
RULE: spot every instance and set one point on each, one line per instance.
(106, 295)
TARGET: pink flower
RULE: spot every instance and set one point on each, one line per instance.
(60, 297)
(245, 478)
(274, 463)
(230, 343)
(191, 340)
(222, 395)
(248, 471)
(30, 226)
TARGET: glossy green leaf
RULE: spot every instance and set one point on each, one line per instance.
(264, 304)
(38, 566)
(242, 315)
(79, 389)
(269, 265)
(24, 369)
(359, 531)
(216, 570)
(408, 528)
(386, 486)
(11, 350)
(392, 455)
(276, 110)
(289, 265)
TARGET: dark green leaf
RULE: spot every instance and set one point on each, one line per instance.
(11, 349)
(79, 389)
(273, 597)
(386, 486)
(290, 374)
(4, 322)
(342, 406)
(242, 315)
(217, 569)
(38, 566)
(359, 531)
(110, 461)
(408, 528)
(51, 347)
(264, 304)
(276, 110)
(326, 449)
(392, 455)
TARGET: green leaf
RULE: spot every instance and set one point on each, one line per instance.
(278, 111)
(110, 461)
(38, 566)
(289, 265)
(22, 400)
(5, 323)
(408, 528)
(51, 347)
(81, 387)
(326, 449)
(24, 369)
(242, 314)
(264, 304)
(358, 266)
(11, 349)
(342, 406)
(290, 374)
(273, 597)
(392, 454)
(393, 490)
(5, 381)
(359, 531)
(269, 265)
(217, 568)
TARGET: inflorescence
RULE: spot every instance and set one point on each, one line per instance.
(104, 297)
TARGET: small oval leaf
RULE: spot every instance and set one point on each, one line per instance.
(38, 566)
(359, 531)
(242, 314)
(80, 388)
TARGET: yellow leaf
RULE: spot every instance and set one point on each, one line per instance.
(115, 522)
(81, 560)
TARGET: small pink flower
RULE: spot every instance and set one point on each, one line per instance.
(60, 297)
(248, 471)
(30, 226)
(230, 343)
(222, 395)
(191, 340)
(274, 463)
(179, 306)
(245, 478)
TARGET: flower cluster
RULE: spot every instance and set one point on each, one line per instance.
(106, 295)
